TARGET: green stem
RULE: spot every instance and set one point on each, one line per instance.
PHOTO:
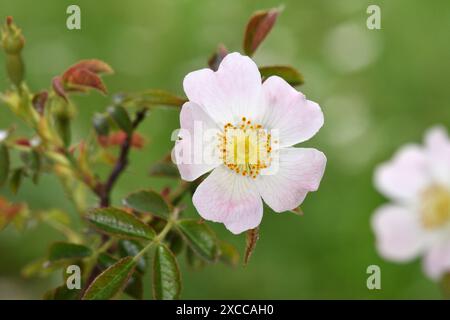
(170, 223)
(92, 261)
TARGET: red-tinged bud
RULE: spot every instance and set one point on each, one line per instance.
(118, 138)
(23, 142)
(13, 42)
(12, 38)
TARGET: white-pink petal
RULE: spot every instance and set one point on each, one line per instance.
(437, 145)
(405, 176)
(195, 152)
(437, 259)
(287, 110)
(299, 170)
(229, 198)
(234, 91)
(399, 235)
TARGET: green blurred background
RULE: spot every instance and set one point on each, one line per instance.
(378, 89)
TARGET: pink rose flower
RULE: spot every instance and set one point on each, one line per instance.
(254, 127)
(417, 222)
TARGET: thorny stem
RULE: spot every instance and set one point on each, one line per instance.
(103, 190)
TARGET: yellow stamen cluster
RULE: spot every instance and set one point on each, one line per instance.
(435, 209)
(245, 148)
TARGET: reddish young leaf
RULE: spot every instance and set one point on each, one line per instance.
(80, 79)
(58, 86)
(217, 57)
(85, 74)
(258, 27)
(93, 65)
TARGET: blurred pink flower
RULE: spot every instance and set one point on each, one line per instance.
(417, 222)
(255, 126)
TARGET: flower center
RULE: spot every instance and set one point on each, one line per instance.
(246, 147)
(435, 207)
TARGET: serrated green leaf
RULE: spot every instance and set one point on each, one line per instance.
(148, 201)
(119, 223)
(166, 275)
(289, 74)
(228, 253)
(132, 248)
(120, 116)
(134, 287)
(111, 281)
(200, 238)
(66, 251)
(4, 164)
